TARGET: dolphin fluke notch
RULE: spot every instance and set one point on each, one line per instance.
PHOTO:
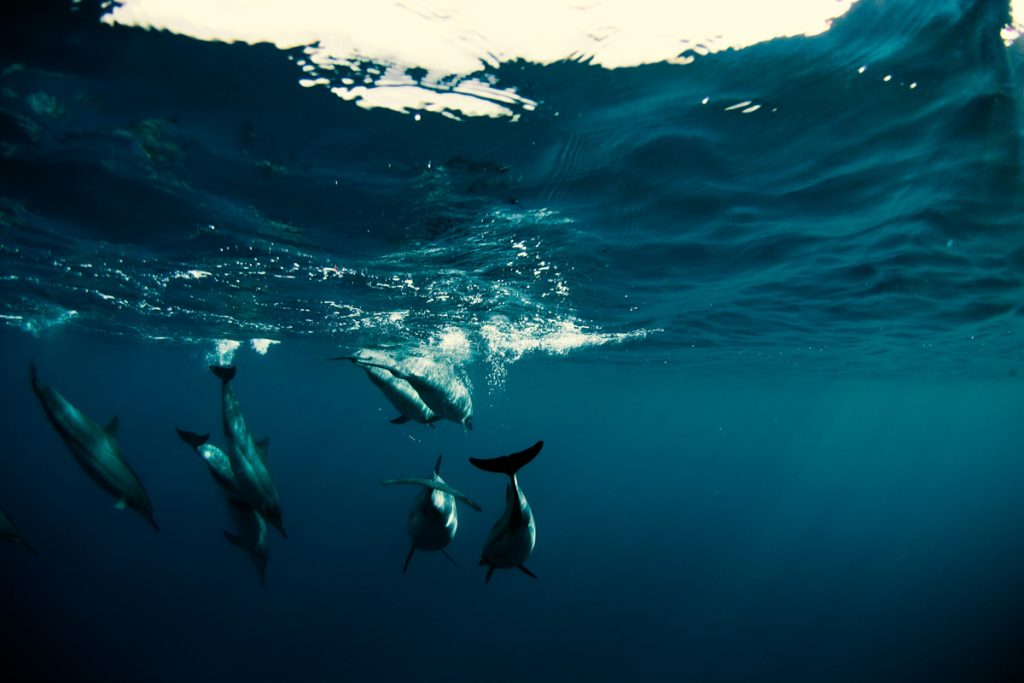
(225, 373)
(508, 464)
(192, 439)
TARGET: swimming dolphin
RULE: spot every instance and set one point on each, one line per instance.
(252, 536)
(397, 391)
(513, 536)
(437, 386)
(9, 532)
(96, 449)
(248, 457)
(251, 529)
(434, 517)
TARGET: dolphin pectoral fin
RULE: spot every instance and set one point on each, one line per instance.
(434, 419)
(354, 359)
(239, 505)
(112, 427)
(437, 467)
(490, 571)
(405, 567)
(120, 504)
(235, 539)
(400, 420)
(27, 545)
(526, 571)
(435, 485)
(450, 558)
(261, 447)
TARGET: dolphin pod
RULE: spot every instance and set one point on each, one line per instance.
(96, 449)
(420, 389)
(250, 528)
(434, 517)
(514, 534)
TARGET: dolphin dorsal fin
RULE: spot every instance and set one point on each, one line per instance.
(112, 426)
(261, 447)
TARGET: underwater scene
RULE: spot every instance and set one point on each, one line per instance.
(462, 341)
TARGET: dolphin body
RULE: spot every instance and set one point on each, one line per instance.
(434, 517)
(9, 532)
(96, 449)
(398, 392)
(443, 392)
(250, 528)
(247, 457)
(513, 536)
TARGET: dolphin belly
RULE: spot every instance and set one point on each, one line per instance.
(433, 520)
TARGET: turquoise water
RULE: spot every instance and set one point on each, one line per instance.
(773, 355)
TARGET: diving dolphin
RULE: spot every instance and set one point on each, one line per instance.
(512, 537)
(248, 457)
(250, 527)
(96, 449)
(434, 517)
(442, 391)
(9, 532)
(398, 392)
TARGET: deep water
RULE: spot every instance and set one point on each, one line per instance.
(773, 351)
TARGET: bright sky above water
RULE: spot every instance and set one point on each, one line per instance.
(375, 43)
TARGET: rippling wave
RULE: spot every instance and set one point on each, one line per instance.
(846, 202)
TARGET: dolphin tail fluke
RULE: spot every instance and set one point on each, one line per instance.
(225, 373)
(450, 558)
(192, 439)
(408, 558)
(526, 571)
(508, 464)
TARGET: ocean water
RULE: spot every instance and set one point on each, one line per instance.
(762, 297)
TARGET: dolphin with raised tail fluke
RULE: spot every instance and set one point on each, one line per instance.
(513, 536)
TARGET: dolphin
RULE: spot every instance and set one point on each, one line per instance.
(250, 527)
(397, 391)
(434, 517)
(248, 458)
(252, 536)
(442, 391)
(9, 532)
(96, 449)
(513, 536)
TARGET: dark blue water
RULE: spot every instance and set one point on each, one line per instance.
(773, 355)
